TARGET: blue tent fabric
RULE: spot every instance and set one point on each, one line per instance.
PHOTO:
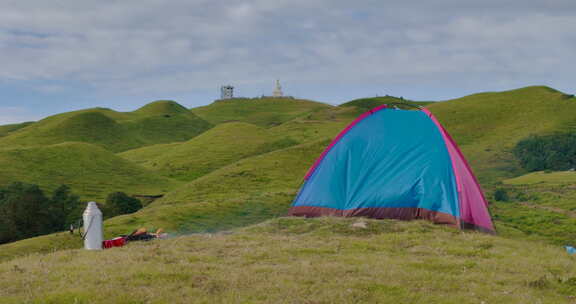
(392, 159)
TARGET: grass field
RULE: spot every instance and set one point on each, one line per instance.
(245, 192)
(487, 126)
(264, 112)
(293, 260)
(193, 215)
(230, 142)
(91, 171)
(541, 204)
(220, 146)
(7, 129)
(540, 177)
(245, 168)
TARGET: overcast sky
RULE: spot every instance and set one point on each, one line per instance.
(62, 55)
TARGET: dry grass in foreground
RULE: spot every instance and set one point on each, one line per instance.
(294, 260)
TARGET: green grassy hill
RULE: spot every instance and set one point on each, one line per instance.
(245, 192)
(89, 170)
(462, 117)
(233, 141)
(158, 122)
(264, 112)
(162, 107)
(222, 145)
(542, 204)
(248, 168)
(293, 260)
(7, 129)
(487, 126)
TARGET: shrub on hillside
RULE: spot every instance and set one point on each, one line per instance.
(65, 208)
(23, 212)
(26, 212)
(551, 152)
(501, 195)
(118, 203)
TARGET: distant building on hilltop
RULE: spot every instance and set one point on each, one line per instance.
(226, 92)
(277, 93)
(277, 90)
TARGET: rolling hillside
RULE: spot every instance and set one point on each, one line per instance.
(248, 168)
(230, 142)
(225, 144)
(245, 192)
(250, 182)
(220, 146)
(487, 126)
(7, 129)
(89, 170)
(264, 112)
(542, 204)
(158, 122)
(294, 260)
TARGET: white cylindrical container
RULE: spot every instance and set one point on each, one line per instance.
(93, 233)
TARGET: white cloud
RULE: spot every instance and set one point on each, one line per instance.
(158, 46)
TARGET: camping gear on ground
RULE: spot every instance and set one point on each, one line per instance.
(396, 164)
(93, 233)
(140, 234)
(115, 242)
(570, 249)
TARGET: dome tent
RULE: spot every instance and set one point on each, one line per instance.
(397, 164)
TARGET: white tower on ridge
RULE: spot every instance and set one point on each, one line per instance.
(278, 90)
